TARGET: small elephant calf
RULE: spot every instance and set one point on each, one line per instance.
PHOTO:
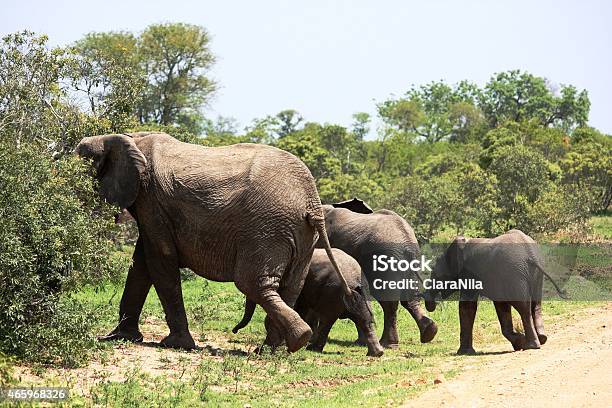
(511, 270)
(321, 303)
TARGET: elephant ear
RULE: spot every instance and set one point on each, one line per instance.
(120, 171)
(355, 205)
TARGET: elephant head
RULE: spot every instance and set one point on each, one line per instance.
(448, 267)
(118, 165)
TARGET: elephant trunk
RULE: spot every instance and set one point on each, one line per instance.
(249, 309)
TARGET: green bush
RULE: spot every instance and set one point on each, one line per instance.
(588, 167)
(558, 208)
(6, 372)
(55, 235)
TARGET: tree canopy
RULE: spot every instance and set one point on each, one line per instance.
(446, 156)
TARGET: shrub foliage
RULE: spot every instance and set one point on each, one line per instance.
(54, 236)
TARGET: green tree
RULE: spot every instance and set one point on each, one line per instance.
(287, 122)
(436, 111)
(553, 143)
(175, 58)
(107, 72)
(345, 186)
(588, 168)
(522, 175)
(306, 144)
(29, 87)
(391, 152)
(342, 145)
(403, 115)
(34, 105)
(557, 208)
(455, 158)
(361, 125)
(426, 204)
(519, 96)
(262, 130)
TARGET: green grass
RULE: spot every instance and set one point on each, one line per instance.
(226, 376)
(602, 225)
(342, 373)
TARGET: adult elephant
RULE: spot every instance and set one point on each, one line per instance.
(355, 228)
(510, 270)
(248, 214)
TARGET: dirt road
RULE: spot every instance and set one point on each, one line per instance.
(573, 369)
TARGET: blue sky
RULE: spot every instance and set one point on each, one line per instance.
(330, 59)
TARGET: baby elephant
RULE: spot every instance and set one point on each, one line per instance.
(510, 271)
(321, 303)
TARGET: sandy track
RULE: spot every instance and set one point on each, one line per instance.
(573, 369)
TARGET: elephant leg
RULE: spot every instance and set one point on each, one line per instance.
(311, 318)
(300, 332)
(164, 272)
(365, 328)
(504, 315)
(325, 325)
(531, 338)
(467, 314)
(135, 293)
(362, 339)
(536, 313)
(286, 321)
(427, 327)
(273, 335)
(390, 338)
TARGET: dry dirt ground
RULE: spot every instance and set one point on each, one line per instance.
(573, 369)
(118, 363)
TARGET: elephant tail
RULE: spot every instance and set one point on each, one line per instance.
(560, 291)
(319, 224)
(249, 309)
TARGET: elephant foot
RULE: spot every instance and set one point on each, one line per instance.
(361, 342)
(466, 351)
(428, 330)
(389, 340)
(315, 347)
(542, 337)
(531, 345)
(518, 342)
(375, 350)
(298, 337)
(389, 345)
(119, 333)
(181, 340)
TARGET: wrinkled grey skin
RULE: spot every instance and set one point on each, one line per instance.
(320, 302)
(248, 214)
(510, 267)
(355, 229)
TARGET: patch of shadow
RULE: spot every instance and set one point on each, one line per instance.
(218, 351)
(483, 353)
(156, 344)
(214, 351)
(346, 343)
